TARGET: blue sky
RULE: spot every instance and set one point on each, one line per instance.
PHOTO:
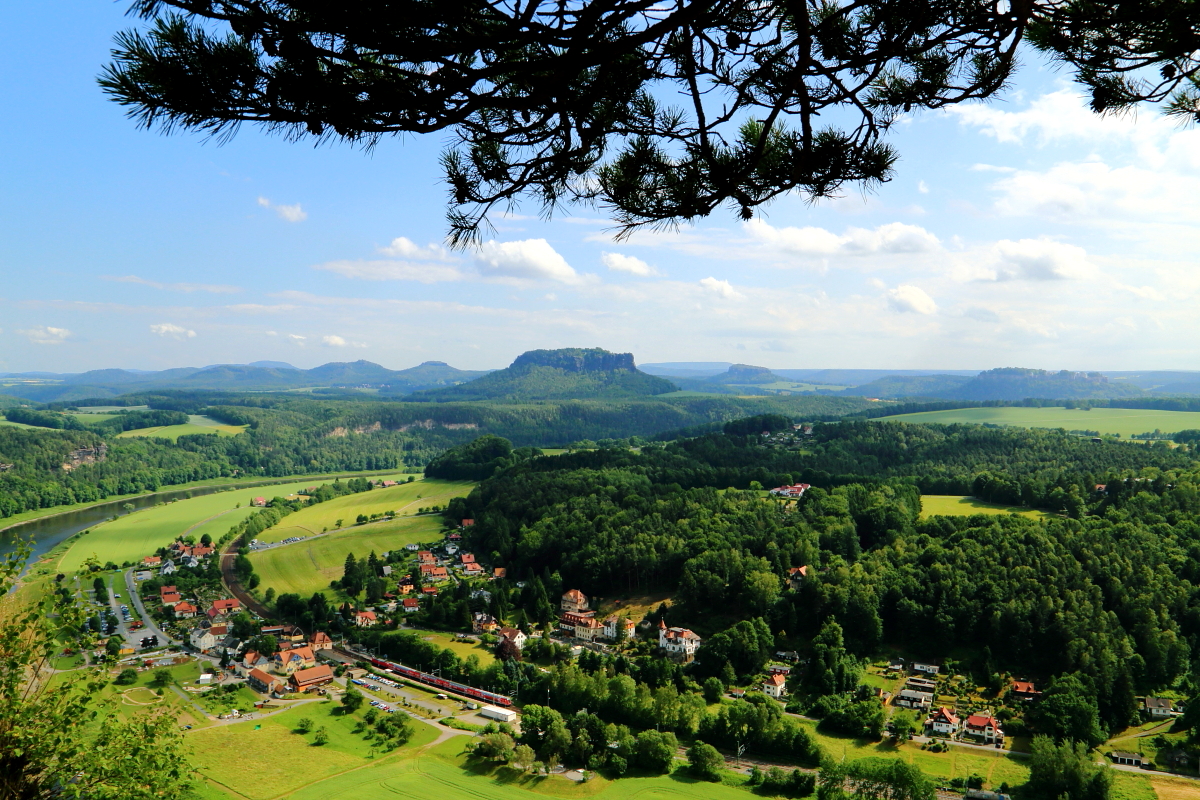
(1026, 232)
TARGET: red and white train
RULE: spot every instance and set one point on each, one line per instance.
(441, 683)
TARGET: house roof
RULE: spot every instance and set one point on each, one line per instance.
(168, 589)
(944, 714)
(468, 558)
(981, 721)
(262, 677)
(151, 559)
(365, 615)
(510, 633)
(320, 637)
(1159, 702)
(1126, 754)
(304, 652)
(912, 694)
(1024, 687)
(227, 604)
(574, 596)
(410, 602)
(185, 607)
(775, 680)
(171, 597)
(320, 672)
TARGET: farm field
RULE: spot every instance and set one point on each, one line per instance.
(267, 759)
(461, 649)
(404, 499)
(196, 424)
(948, 505)
(307, 567)
(132, 537)
(1123, 421)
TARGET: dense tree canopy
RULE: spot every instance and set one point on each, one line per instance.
(658, 111)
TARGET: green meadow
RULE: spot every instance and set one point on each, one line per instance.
(135, 536)
(197, 424)
(404, 499)
(308, 566)
(948, 505)
(1123, 421)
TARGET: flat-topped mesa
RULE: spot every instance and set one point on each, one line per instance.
(747, 370)
(576, 359)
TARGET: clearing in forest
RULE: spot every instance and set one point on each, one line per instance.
(1124, 421)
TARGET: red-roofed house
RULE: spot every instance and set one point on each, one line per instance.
(466, 523)
(500, 572)
(222, 607)
(775, 686)
(467, 558)
(308, 679)
(425, 557)
(1024, 690)
(259, 501)
(185, 610)
(514, 635)
(410, 605)
(262, 682)
(614, 623)
(472, 569)
(152, 561)
(796, 576)
(944, 721)
(679, 641)
(434, 573)
(984, 727)
(429, 590)
(200, 551)
(298, 658)
(321, 641)
(364, 619)
(794, 491)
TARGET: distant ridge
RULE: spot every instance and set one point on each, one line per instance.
(569, 373)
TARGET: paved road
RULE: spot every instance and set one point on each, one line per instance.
(151, 629)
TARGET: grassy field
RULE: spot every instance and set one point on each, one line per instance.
(307, 567)
(461, 649)
(196, 424)
(1123, 421)
(265, 489)
(444, 772)
(404, 499)
(261, 760)
(948, 505)
(132, 537)
(4, 421)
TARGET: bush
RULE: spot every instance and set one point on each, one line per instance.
(126, 677)
(705, 761)
(304, 725)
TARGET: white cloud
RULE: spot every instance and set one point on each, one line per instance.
(338, 341)
(293, 213)
(894, 237)
(907, 298)
(174, 287)
(403, 247)
(297, 338)
(174, 331)
(1040, 260)
(1057, 116)
(44, 334)
(619, 262)
(922, 187)
(527, 259)
(393, 271)
(723, 288)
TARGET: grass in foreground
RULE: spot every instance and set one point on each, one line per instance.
(309, 566)
(274, 759)
(962, 506)
(1125, 421)
(404, 499)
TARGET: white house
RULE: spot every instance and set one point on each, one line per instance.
(678, 641)
(514, 635)
(983, 726)
(928, 669)
(944, 721)
(168, 568)
(912, 699)
(775, 686)
(611, 626)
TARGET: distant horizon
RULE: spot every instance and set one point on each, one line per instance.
(719, 366)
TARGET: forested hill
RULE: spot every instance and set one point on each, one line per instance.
(1100, 597)
(567, 374)
(294, 434)
(1009, 383)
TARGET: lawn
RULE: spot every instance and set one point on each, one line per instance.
(444, 772)
(309, 566)
(404, 499)
(958, 762)
(949, 505)
(461, 649)
(134, 536)
(265, 758)
(4, 421)
(1123, 421)
(196, 424)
